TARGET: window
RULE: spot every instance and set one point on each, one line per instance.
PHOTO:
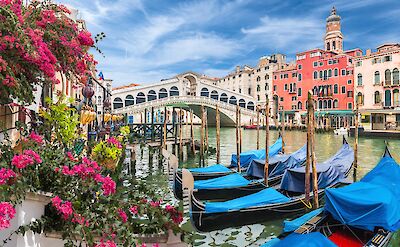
(377, 78)
(321, 63)
(349, 82)
(299, 105)
(281, 99)
(349, 94)
(266, 87)
(258, 97)
(325, 74)
(294, 98)
(360, 99)
(285, 86)
(240, 90)
(343, 89)
(249, 91)
(388, 98)
(396, 99)
(329, 104)
(286, 76)
(387, 58)
(294, 75)
(329, 73)
(377, 97)
(258, 78)
(274, 87)
(266, 77)
(335, 103)
(336, 72)
(315, 75)
(359, 63)
(330, 62)
(299, 77)
(388, 77)
(275, 77)
(299, 66)
(350, 106)
(359, 79)
(335, 89)
(343, 72)
(395, 76)
(315, 64)
(299, 92)
(240, 75)
(321, 74)
(258, 88)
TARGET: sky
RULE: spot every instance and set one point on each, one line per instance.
(150, 40)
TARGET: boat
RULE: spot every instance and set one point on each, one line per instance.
(341, 131)
(365, 213)
(270, 203)
(218, 170)
(253, 127)
(237, 185)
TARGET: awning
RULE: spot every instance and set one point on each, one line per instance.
(332, 113)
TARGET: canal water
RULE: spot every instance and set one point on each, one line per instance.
(147, 167)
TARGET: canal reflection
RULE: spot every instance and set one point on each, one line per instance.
(327, 144)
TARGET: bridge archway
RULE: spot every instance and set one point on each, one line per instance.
(204, 92)
(250, 105)
(242, 103)
(232, 100)
(140, 98)
(151, 95)
(162, 93)
(129, 100)
(214, 95)
(224, 97)
(192, 84)
(173, 91)
(118, 103)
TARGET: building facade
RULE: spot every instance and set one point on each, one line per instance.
(377, 87)
(327, 73)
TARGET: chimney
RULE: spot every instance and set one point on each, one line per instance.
(237, 68)
(368, 52)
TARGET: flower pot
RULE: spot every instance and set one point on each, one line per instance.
(109, 164)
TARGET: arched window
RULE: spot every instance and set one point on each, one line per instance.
(140, 98)
(258, 88)
(388, 98)
(224, 97)
(360, 98)
(266, 77)
(396, 100)
(319, 104)
(299, 77)
(325, 74)
(258, 78)
(315, 90)
(388, 77)
(315, 75)
(377, 78)
(335, 89)
(151, 95)
(299, 92)
(242, 103)
(204, 92)
(377, 97)
(359, 79)
(395, 76)
(328, 46)
(162, 93)
(99, 100)
(214, 95)
(118, 103)
(329, 104)
(325, 105)
(335, 103)
(173, 91)
(129, 100)
(299, 105)
(336, 72)
(232, 100)
(250, 105)
(329, 73)
(333, 45)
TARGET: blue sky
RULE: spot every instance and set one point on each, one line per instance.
(148, 40)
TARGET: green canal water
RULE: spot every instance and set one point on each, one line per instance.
(148, 167)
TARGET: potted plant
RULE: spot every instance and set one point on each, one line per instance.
(107, 153)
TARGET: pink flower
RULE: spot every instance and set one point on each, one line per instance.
(115, 142)
(123, 215)
(70, 156)
(7, 213)
(34, 155)
(9, 81)
(109, 243)
(65, 209)
(80, 220)
(156, 245)
(36, 138)
(134, 210)
(84, 38)
(109, 186)
(5, 175)
(155, 204)
(22, 161)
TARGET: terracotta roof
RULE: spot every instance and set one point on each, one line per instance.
(126, 86)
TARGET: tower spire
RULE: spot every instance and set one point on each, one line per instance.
(333, 37)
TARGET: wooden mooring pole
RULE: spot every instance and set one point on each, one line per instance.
(192, 133)
(202, 137)
(266, 165)
(308, 157)
(206, 129)
(355, 165)
(314, 161)
(217, 127)
(237, 139)
(180, 134)
(240, 129)
(165, 128)
(258, 127)
(283, 130)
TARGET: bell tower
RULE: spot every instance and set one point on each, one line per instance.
(333, 36)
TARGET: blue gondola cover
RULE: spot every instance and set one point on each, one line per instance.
(372, 202)
(213, 168)
(329, 172)
(264, 197)
(247, 157)
(314, 239)
(232, 180)
(292, 225)
(278, 164)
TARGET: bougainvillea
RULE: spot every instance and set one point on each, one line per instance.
(7, 213)
(29, 157)
(38, 42)
(6, 175)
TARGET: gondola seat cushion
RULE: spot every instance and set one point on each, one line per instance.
(264, 197)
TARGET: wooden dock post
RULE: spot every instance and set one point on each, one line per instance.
(355, 165)
(314, 161)
(152, 124)
(165, 128)
(192, 133)
(206, 129)
(258, 126)
(237, 139)
(240, 129)
(180, 135)
(266, 165)
(283, 130)
(217, 127)
(202, 137)
(308, 157)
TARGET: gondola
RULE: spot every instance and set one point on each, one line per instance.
(218, 170)
(237, 185)
(270, 203)
(365, 213)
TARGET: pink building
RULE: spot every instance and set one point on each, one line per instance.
(377, 87)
